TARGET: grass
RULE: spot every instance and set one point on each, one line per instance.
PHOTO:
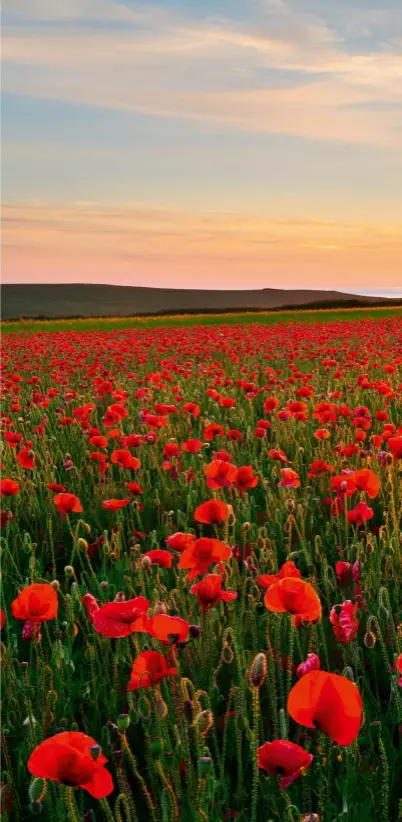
(182, 320)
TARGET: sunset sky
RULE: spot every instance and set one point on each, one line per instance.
(203, 143)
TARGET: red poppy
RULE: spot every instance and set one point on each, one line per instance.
(220, 474)
(160, 557)
(192, 408)
(343, 484)
(288, 570)
(395, 447)
(2, 619)
(290, 479)
(329, 702)
(284, 757)
(74, 759)
(294, 596)
(134, 488)
(320, 467)
(366, 480)
(12, 438)
(312, 663)
(344, 621)
(8, 488)
(5, 518)
(37, 603)
(360, 514)
(168, 629)
(149, 669)
(322, 434)
(115, 504)
(222, 455)
(124, 458)
(209, 592)
(277, 454)
(245, 478)
(213, 430)
(399, 668)
(54, 486)
(212, 511)
(270, 405)
(26, 458)
(192, 446)
(180, 541)
(201, 554)
(89, 602)
(99, 441)
(118, 619)
(67, 504)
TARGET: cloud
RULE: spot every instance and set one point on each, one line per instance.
(286, 73)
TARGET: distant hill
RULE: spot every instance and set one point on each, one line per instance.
(81, 300)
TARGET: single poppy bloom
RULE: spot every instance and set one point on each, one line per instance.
(99, 441)
(322, 434)
(98, 456)
(115, 504)
(395, 447)
(344, 621)
(235, 435)
(5, 518)
(222, 455)
(212, 511)
(290, 479)
(320, 467)
(294, 596)
(366, 480)
(8, 488)
(12, 438)
(201, 554)
(192, 446)
(220, 474)
(134, 488)
(209, 592)
(169, 629)
(360, 514)
(37, 603)
(270, 405)
(56, 487)
(2, 619)
(67, 504)
(180, 541)
(90, 604)
(329, 702)
(213, 430)
(284, 757)
(343, 484)
(26, 459)
(160, 557)
(245, 478)
(171, 450)
(277, 454)
(118, 619)
(312, 663)
(288, 570)
(149, 669)
(192, 408)
(123, 458)
(74, 759)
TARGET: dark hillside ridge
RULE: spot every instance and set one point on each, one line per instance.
(85, 300)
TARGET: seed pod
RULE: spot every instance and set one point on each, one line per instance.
(82, 544)
(258, 670)
(161, 709)
(204, 765)
(204, 721)
(104, 584)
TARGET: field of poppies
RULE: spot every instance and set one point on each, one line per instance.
(201, 573)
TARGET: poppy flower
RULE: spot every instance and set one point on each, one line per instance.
(245, 478)
(294, 596)
(99, 441)
(220, 474)
(5, 518)
(180, 541)
(12, 438)
(222, 455)
(149, 669)
(366, 480)
(90, 604)
(320, 467)
(395, 447)
(322, 434)
(115, 504)
(270, 405)
(118, 619)
(192, 408)
(201, 554)
(124, 459)
(290, 479)
(37, 603)
(277, 454)
(134, 488)
(74, 759)
(344, 621)
(360, 514)
(26, 458)
(192, 446)
(212, 511)
(209, 592)
(288, 570)
(343, 484)
(329, 702)
(56, 487)
(312, 663)
(168, 629)
(8, 488)
(284, 757)
(160, 557)
(399, 668)
(67, 504)
(213, 430)
(2, 619)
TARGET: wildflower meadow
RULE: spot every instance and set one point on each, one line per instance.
(201, 573)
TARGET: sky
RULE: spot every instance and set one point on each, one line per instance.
(203, 143)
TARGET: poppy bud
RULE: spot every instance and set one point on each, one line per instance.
(204, 721)
(195, 631)
(160, 608)
(204, 764)
(104, 585)
(144, 707)
(258, 670)
(188, 710)
(161, 709)
(55, 584)
(69, 571)
(123, 721)
(95, 751)
(156, 747)
(37, 790)
(146, 563)
(246, 526)
(82, 544)
(290, 504)
(120, 597)
(369, 639)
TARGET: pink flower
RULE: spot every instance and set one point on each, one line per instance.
(344, 622)
(312, 663)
